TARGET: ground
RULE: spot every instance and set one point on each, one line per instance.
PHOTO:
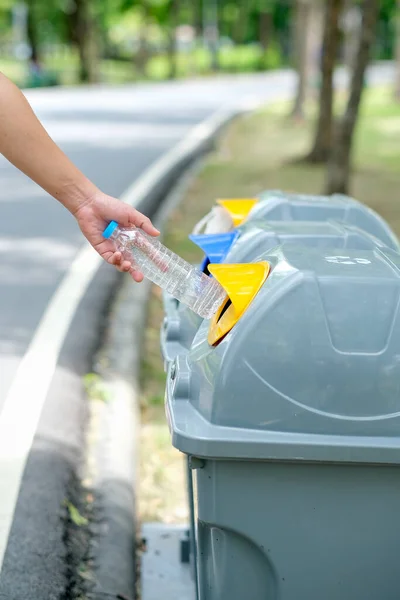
(257, 152)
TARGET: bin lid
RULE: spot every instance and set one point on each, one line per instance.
(215, 246)
(237, 208)
(256, 236)
(243, 246)
(311, 371)
(298, 207)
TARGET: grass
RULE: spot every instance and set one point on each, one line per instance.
(257, 152)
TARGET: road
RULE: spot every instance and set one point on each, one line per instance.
(113, 135)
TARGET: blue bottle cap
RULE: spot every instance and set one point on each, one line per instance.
(215, 245)
(109, 230)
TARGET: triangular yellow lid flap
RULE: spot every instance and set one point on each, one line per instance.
(241, 282)
(238, 208)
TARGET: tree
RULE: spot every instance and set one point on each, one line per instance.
(32, 32)
(197, 7)
(142, 56)
(265, 23)
(300, 52)
(397, 75)
(45, 24)
(338, 171)
(241, 25)
(211, 30)
(351, 22)
(307, 41)
(172, 49)
(324, 127)
(84, 34)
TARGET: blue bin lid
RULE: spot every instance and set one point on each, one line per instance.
(215, 245)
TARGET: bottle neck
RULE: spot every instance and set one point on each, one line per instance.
(115, 234)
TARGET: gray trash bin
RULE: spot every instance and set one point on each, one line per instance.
(275, 206)
(293, 424)
(180, 323)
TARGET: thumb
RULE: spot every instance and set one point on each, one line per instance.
(127, 216)
(121, 212)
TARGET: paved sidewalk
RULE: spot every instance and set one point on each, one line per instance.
(164, 576)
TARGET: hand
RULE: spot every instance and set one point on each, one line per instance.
(93, 217)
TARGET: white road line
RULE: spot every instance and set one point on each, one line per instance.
(26, 397)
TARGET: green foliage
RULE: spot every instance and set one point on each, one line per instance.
(50, 19)
(384, 45)
(122, 23)
(249, 58)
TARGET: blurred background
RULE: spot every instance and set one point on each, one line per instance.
(50, 42)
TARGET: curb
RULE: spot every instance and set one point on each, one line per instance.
(112, 464)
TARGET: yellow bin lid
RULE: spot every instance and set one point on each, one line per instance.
(241, 282)
(238, 208)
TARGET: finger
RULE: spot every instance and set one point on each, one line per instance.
(106, 249)
(115, 259)
(126, 266)
(144, 223)
(127, 216)
(136, 275)
(122, 265)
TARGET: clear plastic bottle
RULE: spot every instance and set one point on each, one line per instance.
(187, 284)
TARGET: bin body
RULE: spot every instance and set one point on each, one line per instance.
(178, 328)
(293, 419)
(298, 532)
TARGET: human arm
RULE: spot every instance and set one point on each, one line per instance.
(26, 144)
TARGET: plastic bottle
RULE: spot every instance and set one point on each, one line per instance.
(190, 286)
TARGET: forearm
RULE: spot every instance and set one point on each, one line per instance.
(25, 143)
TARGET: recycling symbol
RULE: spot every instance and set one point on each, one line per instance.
(347, 260)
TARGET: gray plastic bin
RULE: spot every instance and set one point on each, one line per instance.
(180, 323)
(275, 206)
(293, 421)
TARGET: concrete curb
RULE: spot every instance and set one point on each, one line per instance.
(113, 425)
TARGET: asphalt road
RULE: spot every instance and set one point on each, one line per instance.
(113, 135)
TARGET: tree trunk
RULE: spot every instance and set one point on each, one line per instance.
(338, 171)
(241, 26)
(351, 33)
(324, 129)
(198, 17)
(141, 57)
(314, 44)
(211, 30)
(172, 49)
(86, 37)
(307, 47)
(265, 29)
(302, 18)
(32, 32)
(397, 75)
